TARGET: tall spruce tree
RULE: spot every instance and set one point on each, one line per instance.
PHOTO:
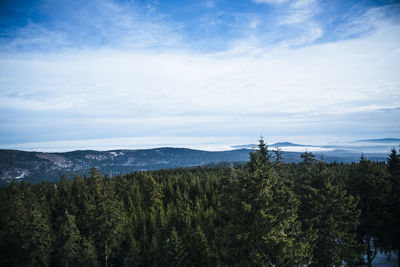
(328, 214)
(152, 192)
(38, 241)
(335, 221)
(176, 250)
(109, 222)
(69, 240)
(262, 218)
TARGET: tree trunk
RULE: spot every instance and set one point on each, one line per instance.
(106, 255)
(369, 260)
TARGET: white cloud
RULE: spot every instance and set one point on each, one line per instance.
(319, 78)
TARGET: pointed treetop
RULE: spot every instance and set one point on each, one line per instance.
(259, 157)
(308, 157)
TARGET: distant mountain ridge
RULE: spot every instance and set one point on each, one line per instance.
(37, 166)
(250, 146)
(381, 140)
(41, 166)
(278, 144)
(284, 144)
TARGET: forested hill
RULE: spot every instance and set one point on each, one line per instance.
(39, 166)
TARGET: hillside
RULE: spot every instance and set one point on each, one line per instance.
(39, 166)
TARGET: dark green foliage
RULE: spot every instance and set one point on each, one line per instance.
(87, 255)
(176, 251)
(329, 214)
(262, 226)
(27, 231)
(199, 251)
(371, 184)
(336, 218)
(69, 240)
(268, 213)
(393, 230)
(308, 158)
(152, 192)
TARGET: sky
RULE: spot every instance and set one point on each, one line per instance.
(111, 74)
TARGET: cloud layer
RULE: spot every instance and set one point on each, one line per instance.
(135, 71)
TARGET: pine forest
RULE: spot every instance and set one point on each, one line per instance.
(265, 213)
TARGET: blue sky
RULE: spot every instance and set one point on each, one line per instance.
(188, 73)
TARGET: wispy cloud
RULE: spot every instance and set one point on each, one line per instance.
(275, 2)
(363, 21)
(300, 11)
(101, 23)
(210, 4)
(34, 36)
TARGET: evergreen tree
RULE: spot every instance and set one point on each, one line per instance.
(69, 239)
(152, 192)
(335, 221)
(259, 158)
(278, 156)
(38, 241)
(109, 222)
(87, 256)
(176, 250)
(308, 158)
(134, 255)
(328, 214)
(262, 220)
(199, 251)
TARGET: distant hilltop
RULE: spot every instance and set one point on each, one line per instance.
(278, 144)
(283, 144)
(381, 140)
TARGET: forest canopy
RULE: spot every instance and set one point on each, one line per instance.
(267, 213)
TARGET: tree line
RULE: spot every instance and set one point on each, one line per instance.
(267, 213)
